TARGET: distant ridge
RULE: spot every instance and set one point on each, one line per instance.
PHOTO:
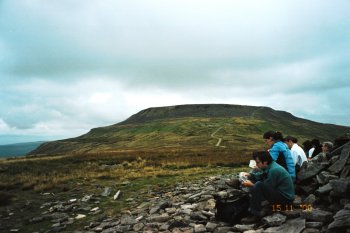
(18, 149)
(195, 127)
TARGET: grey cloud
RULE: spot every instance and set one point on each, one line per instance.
(62, 59)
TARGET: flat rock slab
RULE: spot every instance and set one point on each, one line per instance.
(341, 220)
(317, 225)
(311, 171)
(338, 166)
(317, 215)
(324, 189)
(324, 177)
(345, 172)
(341, 186)
(291, 226)
(276, 219)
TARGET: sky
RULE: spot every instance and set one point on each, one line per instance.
(69, 66)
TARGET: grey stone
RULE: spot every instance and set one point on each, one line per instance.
(158, 218)
(198, 216)
(170, 210)
(345, 153)
(255, 231)
(242, 228)
(199, 228)
(154, 210)
(211, 226)
(276, 219)
(337, 151)
(341, 220)
(297, 200)
(127, 220)
(105, 225)
(312, 170)
(347, 206)
(207, 213)
(334, 159)
(117, 229)
(317, 225)
(324, 177)
(341, 186)
(197, 195)
(345, 172)
(310, 188)
(106, 192)
(164, 227)
(223, 229)
(311, 230)
(291, 226)
(138, 226)
(338, 166)
(309, 200)
(317, 215)
(324, 189)
(38, 219)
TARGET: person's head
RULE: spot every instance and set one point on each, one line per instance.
(307, 145)
(271, 137)
(315, 143)
(327, 147)
(290, 140)
(262, 159)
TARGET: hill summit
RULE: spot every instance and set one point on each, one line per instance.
(199, 127)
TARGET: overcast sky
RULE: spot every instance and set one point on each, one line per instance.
(69, 66)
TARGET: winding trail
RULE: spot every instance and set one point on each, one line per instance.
(213, 136)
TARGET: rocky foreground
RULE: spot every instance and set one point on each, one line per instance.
(322, 205)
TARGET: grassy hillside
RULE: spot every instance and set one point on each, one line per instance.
(194, 127)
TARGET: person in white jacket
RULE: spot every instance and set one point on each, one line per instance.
(298, 154)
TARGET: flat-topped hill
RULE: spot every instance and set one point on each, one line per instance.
(202, 127)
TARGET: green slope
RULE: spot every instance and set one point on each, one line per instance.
(194, 127)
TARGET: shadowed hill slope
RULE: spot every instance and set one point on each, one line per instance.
(193, 127)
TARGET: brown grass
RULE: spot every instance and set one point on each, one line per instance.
(47, 173)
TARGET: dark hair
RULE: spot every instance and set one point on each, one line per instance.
(315, 142)
(263, 156)
(307, 146)
(290, 138)
(275, 135)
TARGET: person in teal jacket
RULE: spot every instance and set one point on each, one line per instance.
(273, 184)
(280, 151)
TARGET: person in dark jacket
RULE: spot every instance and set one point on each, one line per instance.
(273, 184)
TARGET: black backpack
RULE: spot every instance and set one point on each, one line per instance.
(231, 210)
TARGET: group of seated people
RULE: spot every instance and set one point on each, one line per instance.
(274, 177)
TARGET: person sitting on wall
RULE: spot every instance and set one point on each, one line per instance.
(279, 151)
(316, 148)
(298, 154)
(307, 145)
(323, 156)
(273, 184)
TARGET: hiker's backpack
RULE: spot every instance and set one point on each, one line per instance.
(231, 210)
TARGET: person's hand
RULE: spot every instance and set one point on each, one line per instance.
(247, 183)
